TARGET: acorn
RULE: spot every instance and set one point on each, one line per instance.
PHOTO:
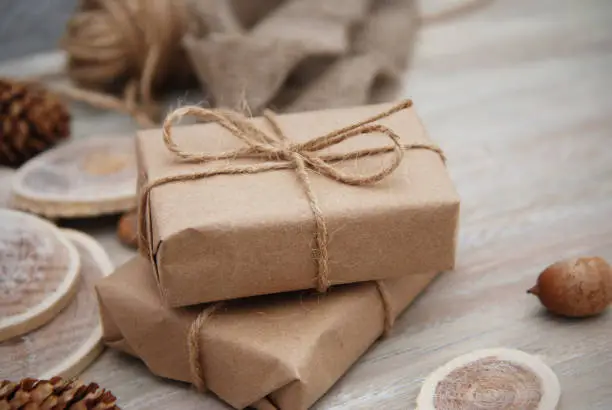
(578, 287)
(127, 229)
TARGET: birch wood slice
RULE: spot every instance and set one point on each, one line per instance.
(39, 269)
(72, 340)
(501, 379)
(82, 178)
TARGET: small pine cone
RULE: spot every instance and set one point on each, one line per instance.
(54, 394)
(31, 121)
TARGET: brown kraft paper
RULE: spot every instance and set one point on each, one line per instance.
(273, 352)
(232, 236)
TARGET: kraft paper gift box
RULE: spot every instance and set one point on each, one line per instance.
(232, 236)
(271, 352)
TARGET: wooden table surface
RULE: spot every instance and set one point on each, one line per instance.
(519, 94)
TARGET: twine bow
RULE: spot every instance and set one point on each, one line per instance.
(277, 152)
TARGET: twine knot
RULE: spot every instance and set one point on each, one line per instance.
(275, 151)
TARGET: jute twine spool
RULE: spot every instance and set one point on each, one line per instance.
(129, 47)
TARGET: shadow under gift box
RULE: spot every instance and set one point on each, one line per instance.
(233, 236)
(271, 352)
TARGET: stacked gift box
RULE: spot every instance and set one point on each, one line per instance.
(276, 250)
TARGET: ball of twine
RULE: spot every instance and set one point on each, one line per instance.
(127, 45)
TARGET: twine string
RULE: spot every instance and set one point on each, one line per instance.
(385, 298)
(194, 335)
(278, 152)
(196, 361)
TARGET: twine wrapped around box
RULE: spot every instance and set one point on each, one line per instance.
(229, 208)
(278, 152)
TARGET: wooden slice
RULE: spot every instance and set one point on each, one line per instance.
(82, 178)
(39, 269)
(72, 340)
(491, 379)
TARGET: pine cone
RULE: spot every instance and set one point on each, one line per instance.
(31, 121)
(54, 394)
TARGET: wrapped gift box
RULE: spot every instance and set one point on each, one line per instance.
(232, 236)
